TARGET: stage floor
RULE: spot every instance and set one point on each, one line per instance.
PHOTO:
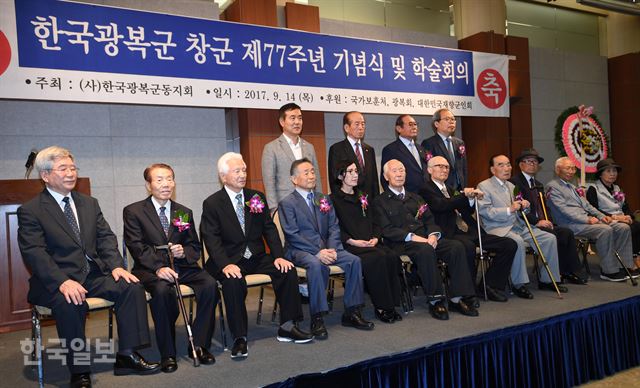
(270, 361)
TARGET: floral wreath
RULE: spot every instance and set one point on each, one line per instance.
(569, 142)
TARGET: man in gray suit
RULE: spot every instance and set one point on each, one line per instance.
(278, 155)
(570, 208)
(498, 214)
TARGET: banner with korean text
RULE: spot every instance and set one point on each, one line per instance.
(65, 51)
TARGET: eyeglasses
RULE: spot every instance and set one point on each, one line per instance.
(65, 169)
(448, 119)
(352, 171)
(442, 166)
(531, 162)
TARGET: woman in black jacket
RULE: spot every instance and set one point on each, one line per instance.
(361, 236)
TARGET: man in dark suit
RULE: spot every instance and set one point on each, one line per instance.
(235, 220)
(408, 228)
(453, 214)
(73, 255)
(312, 236)
(452, 148)
(408, 152)
(158, 221)
(354, 148)
(569, 262)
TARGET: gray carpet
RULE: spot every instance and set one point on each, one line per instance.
(270, 361)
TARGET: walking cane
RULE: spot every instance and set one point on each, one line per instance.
(542, 258)
(482, 259)
(633, 281)
(183, 309)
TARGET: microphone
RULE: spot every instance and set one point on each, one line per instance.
(30, 161)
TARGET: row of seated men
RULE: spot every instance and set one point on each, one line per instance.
(73, 253)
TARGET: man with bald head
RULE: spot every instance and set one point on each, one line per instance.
(498, 212)
(570, 208)
(408, 228)
(453, 214)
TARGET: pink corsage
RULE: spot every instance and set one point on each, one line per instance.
(462, 150)
(256, 204)
(517, 194)
(423, 208)
(580, 191)
(548, 193)
(181, 221)
(364, 202)
(619, 196)
(427, 156)
(323, 204)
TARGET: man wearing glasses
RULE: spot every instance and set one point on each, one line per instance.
(531, 189)
(408, 152)
(444, 144)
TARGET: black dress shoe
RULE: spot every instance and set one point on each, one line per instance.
(318, 330)
(523, 292)
(438, 310)
(168, 364)
(496, 295)
(355, 319)
(80, 380)
(294, 335)
(572, 278)
(550, 287)
(472, 301)
(463, 308)
(396, 315)
(239, 351)
(203, 354)
(134, 364)
(385, 316)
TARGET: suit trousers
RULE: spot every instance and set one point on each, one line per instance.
(318, 279)
(285, 286)
(130, 306)
(609, 238)
(567, 249)
(381, 268)
(549, 248)
(504, 249)
(165, 310)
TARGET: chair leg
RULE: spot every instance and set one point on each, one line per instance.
(408, 300)
(260, 302)
(274, 312)
(583, 246)
(37, 351)
(332, 285)
(223, 334)
(111, 311)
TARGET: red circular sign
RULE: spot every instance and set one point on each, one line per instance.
(5, 53)
(491, 88)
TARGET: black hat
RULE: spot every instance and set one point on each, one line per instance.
(607, 163)
(528, 152)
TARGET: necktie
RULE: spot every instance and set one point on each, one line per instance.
(532, 183)
(414, 152)
(450, 149)
(459, 221)
(164, 221)
(312, 207)
(537, 205)
(445, 192)
(240, 214)
(359, 157)
(71, 218)
(401, 196)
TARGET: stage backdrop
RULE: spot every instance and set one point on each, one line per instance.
(56, 50)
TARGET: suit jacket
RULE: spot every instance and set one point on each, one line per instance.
(397, 218)
(444, 209)
(355, 222)
(276, 166)
(531, 195)
(367, 179)
(222, 234)
(567, 208)
(50, 248)
(494, 213)
(143, 232)
(458, 177)
(416, 173)
(304, 232)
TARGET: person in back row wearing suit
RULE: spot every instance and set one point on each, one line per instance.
(529, 162)
(452, 148)
(312, 241)
(158, 221)
(236, 223)
(406, 151)
(278, 155)
(73, 255)
(453, 211)
(354, 148)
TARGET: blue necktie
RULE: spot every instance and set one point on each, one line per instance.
(164, 221)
